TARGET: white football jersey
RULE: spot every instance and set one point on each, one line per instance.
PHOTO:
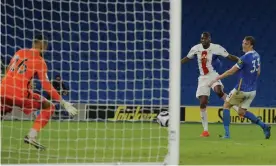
(205, 56)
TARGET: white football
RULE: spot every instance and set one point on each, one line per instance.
(163, 118)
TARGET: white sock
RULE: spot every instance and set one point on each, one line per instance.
(32, 133)
(204, 119)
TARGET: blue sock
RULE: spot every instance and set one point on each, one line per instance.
(254, 119)
(226, 121)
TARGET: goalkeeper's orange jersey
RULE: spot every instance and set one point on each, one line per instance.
(25, 64)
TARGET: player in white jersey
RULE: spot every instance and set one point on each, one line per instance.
(205, 52)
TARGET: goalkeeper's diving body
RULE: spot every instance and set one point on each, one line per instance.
(15, 88)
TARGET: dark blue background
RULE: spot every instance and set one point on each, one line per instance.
(117, 52)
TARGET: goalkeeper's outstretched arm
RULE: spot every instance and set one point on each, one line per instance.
(48, 87)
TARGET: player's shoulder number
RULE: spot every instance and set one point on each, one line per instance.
(256, 65)
(18, 65)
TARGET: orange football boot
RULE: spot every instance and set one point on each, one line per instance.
(205, 134)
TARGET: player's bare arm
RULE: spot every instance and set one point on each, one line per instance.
(232, 58)
(226, 74)
(190, 55)
(185, 60)
(259, 71)
(229, 72)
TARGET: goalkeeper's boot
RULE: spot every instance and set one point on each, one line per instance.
(267, 131)
(205, 134)
(33, 142)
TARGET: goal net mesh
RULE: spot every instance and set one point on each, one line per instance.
(113, 57)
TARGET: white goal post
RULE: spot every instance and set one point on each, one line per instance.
(175, 77)
(121, 63)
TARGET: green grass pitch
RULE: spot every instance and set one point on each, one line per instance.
(88, 142)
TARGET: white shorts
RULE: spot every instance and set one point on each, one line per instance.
(203, 89)
(241, 99)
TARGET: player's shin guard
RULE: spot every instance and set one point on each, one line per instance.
(226, 121)
(249, 115)
(43, 118)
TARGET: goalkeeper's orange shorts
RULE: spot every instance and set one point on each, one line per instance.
(31, 102)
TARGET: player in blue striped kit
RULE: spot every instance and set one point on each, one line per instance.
(244, 92)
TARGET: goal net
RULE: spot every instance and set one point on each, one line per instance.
(113, 58)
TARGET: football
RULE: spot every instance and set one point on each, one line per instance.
(163, 119)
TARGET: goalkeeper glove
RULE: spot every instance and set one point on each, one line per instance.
(69, 108)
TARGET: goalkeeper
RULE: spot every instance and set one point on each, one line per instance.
(16, 91)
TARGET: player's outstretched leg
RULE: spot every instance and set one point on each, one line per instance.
(219, 91)
(203, 114)
(249, 115)
(39, 123)
(33, 142)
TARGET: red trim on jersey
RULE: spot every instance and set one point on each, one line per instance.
(204, 62)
